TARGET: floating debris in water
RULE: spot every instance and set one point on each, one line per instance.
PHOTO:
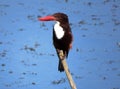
(78, 77)
(33, 83)
(3, 53)
(10, 72)
(62, 80)
(2, 65)
(29, 48)
(1, 43)
(118, 44)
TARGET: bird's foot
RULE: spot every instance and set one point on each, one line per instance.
(61, 54)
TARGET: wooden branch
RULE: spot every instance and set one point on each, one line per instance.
(68, 74)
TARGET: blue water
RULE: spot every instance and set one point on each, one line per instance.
(28, 59)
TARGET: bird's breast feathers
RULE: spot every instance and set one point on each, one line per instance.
(59, 32)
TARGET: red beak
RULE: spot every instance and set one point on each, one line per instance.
(47, 18)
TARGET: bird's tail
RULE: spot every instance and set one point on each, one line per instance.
(60, 66)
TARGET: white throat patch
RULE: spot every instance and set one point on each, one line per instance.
(58, 30)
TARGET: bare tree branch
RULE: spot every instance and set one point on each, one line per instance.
(68, 74)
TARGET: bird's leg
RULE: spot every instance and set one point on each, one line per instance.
(61, 54)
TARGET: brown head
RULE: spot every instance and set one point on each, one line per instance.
(61, 17)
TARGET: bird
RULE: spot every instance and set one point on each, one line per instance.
(62, 35)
